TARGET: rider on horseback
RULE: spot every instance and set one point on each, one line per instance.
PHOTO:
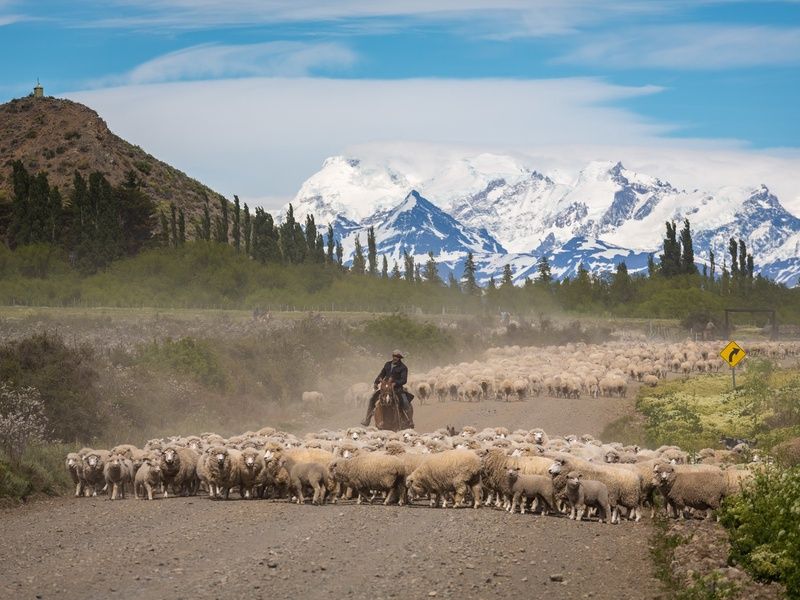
(399, 373)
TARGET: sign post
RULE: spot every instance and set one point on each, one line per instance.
(733, 354)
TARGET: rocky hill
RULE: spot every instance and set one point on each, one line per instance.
(60, 137)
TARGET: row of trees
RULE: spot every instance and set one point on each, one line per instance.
(97, 225)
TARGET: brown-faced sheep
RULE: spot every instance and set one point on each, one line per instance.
(179, 469)
(586, 493)
(452, 471)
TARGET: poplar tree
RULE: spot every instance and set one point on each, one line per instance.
(237, 229)
(221, 222)
(408, 261)
(733, 250)
(319, 251)
(205, 227)
(712, 267)
(385, 268)
(331, 243)
(687, 255)
(396, 275)
(742, 258)
(339, 253)
(248, 229)
(359, 264)
(671, 258)
(310, 238)
(164, 229)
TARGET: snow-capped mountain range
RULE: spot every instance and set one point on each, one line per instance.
(507, 213)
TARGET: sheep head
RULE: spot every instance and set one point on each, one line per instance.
(574, 479)
(556, 468)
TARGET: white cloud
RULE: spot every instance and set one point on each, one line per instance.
(209, 61)
(262, 137)
(691, 47)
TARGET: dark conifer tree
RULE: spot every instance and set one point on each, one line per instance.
(507, 281)
(452, 282)
(492, 285)
(310, 238)
(408, 261)
(319, 250)
(544, 276)
(339, 254)
(750, 267)
(396, 275)
(742, 258)
(417, 273)
(372, 252)
(205, 227)
(470, 283)
(384, 268)
(712, 267)
(671, 258)
(651, 266)
(431, 274)
(733, 249)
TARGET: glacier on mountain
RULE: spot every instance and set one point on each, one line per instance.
(507, 213)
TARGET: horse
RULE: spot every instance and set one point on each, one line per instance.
(388, 415)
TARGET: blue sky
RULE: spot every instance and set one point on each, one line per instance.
(716, 74)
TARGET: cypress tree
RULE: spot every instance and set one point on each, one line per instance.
(385, 268)
(339, 253)
(671, 259)
(221, 234)
(248, 229)
(173, 222)
(237, 224)
(507, 281)
(331, 243)
(687, 256)
(408, 261)
(712, 267)
(319, 252)
(181, 227)
(470, 284)
(359, 264)
(431, 274)
(372, 252)
(750, 267)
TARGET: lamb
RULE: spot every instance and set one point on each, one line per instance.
(74, 465)
(624, 487)
(304, 475)
(650, 380)
(452, 471)
(583, 493)
(147, 478)
(370, 472)
(118, 471)
(494, 473)
(539, 488)
(701, 487)
(179, 469)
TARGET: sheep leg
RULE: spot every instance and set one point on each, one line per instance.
(477, 492)
(78, 490)
(572, 513)
(580, 511)
(461, 491)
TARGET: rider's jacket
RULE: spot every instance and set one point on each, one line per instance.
(398, 372)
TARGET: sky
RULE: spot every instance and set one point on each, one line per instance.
(250, 96)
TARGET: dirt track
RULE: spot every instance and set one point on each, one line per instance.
(198, 548)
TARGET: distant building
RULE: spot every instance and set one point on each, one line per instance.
(38, 91)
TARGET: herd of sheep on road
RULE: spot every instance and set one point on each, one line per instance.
(570, 371)
(521, 470)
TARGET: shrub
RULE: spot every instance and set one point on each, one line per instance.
(22, 419)
(399, 331)
(186, 355)
(762, 523)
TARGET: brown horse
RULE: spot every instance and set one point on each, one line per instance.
(387, 409)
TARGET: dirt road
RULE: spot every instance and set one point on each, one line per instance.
(198, 548)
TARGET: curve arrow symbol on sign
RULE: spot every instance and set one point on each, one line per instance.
(733, 353)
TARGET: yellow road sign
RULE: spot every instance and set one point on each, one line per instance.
(733, 354)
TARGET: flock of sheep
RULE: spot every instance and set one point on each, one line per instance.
(515, 470)
(570, 371)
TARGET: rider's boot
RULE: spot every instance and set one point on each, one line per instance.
(368, 418)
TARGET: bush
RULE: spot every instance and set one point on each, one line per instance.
(65, 377)
(762, 523)
(22, 420)
(189, 356)
(40, 471)
(399, 331)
